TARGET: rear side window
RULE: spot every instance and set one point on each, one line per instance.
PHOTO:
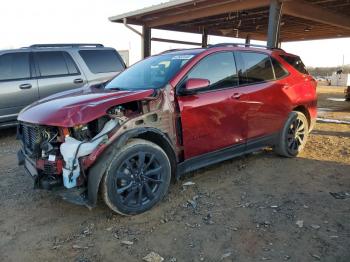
(296, 62)
(280, 72)
(219, 69)
(55, 63)
(254, 68)
(72, 68)
(14, 66)
(102, 61)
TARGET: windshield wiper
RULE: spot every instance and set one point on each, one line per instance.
(114, 88)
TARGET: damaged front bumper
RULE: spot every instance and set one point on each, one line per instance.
(28, 164)
(77, 196)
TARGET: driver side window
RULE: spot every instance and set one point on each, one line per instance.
(218, 68)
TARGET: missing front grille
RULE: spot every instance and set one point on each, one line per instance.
(31, 137)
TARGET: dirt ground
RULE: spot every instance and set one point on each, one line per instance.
(254, 208)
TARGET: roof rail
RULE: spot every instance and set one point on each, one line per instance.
(65, 45)
(244, 45)
(171, 50)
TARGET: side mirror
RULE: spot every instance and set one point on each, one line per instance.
(193, 84)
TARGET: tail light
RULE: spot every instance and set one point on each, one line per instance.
(311, 80)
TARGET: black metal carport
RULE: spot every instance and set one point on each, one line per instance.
(274, 21)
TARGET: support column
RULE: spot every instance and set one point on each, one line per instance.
(247, 40)
(205, 38)
(146, 41)
(275, 15)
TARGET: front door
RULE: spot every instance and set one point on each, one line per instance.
(213, 118)
(17, 86)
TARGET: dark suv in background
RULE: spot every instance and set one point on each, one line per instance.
(32, 73)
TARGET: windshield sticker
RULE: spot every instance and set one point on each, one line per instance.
(182, 57)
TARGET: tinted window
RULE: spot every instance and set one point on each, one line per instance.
(52, 63)
(14, 66)
(296, 62)
(280, 72)
(254, 68)
(102, 61)
(219, 69)
(153, 72)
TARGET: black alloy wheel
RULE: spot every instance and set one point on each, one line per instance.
(293, 137)
(296, 136)
(137, 178)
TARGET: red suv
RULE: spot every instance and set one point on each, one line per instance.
(167, 115)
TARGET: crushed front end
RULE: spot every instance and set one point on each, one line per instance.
(53, 156)
(69, 155)
(40, 154)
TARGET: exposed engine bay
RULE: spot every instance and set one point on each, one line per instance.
(55, 152)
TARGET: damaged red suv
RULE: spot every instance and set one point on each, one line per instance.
(167, 115)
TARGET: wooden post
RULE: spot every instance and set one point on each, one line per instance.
(275, 15)
(205, 38)
(146, 41)
(247, 40)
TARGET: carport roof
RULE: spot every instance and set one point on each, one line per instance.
(301, 20)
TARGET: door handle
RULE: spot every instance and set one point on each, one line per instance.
(25, 86)
(286, 86)
(236, 96)
(78, 81)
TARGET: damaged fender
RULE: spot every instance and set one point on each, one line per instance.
(97, 171)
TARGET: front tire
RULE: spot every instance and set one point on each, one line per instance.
(293, 136)
(137, 178)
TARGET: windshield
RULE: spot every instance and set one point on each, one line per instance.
(153, 72)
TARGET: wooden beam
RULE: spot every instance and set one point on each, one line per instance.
(207, 11)
(157, 39)
(302, 9)
(309, 38)
(241, 34)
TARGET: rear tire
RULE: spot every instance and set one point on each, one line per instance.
(137, 178)
(293, 136)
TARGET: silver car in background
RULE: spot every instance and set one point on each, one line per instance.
(32, 73)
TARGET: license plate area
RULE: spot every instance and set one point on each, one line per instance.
(30, 168)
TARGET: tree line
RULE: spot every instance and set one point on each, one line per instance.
(328, 71)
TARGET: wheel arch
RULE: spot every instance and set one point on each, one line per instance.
(97, 171)
(303, 109)
(157, 137)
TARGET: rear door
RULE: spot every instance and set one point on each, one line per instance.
(57, 72)
(212, 118)
(18, 87)
(267, 104)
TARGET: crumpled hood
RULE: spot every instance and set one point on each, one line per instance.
(78, 106)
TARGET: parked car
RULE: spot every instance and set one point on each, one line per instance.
(347, 93)
(29, 74)
(163, 117)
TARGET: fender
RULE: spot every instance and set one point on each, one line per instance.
(99, 168)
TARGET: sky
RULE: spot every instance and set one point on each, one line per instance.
(26, 22)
